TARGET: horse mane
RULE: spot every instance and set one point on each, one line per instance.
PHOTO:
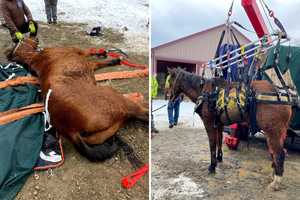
(193, 80)
(196, 81)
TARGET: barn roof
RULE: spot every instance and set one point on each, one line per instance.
(197, 34)
(197, 48)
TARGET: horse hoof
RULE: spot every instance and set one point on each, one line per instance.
(275, 185)
(220, 159)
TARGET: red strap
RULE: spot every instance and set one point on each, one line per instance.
(103, 52)
(126, 62)
(99, 52)
(129, 181)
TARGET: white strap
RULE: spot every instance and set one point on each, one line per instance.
(46, 113)
(11, 76)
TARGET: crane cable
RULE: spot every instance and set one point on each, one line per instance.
(264, 6)
(276, 21)
(230, 9)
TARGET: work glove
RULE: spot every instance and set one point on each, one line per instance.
(19, 36)
(32, 28)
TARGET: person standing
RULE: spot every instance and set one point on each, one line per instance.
(173, 106)
(18, 19)
(51, 11)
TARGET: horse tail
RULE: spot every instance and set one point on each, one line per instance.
(129, 152)
(99, 152)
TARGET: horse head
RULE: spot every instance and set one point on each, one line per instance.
(174, 82)
(24, 51)
(185, 82)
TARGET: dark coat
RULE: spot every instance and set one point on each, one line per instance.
(14, 13)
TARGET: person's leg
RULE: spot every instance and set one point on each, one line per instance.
(176, 111)
(53, 5)
(153, 129)
(48, 10)
(170, 114)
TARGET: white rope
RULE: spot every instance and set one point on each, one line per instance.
(46, 113)
(7, 66)
(11, 76)
(18, 45)
(17, 66)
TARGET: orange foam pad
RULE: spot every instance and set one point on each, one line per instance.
(122, 75)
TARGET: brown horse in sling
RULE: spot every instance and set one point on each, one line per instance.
(272, 119)
(87, 114)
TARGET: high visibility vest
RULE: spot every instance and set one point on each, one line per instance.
(154, 87)
(167, 83)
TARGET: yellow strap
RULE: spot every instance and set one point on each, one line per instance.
(243, 49)
(272, 98)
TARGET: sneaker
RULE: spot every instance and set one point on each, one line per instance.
(54, 22)
(50, 153)
(175, 124)
(171, 126)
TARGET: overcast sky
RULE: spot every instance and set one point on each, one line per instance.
(177, 18)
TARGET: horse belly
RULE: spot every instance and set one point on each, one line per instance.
(94, 113)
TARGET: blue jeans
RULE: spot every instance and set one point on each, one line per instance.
(173, 111)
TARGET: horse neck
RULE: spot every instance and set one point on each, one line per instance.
(28, 57)
(191, 89)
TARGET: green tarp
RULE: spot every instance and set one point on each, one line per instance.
(293, 64)
(20, 141)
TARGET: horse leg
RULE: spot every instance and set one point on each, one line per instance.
(275, 143)
(137, 110)
(94, 65)
(212, 138)
(101, 136)
(220, 142)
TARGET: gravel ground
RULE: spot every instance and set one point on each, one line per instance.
(180, 158)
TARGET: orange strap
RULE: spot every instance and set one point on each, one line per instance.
(19, 81)
(19, 113)
(99, 77)
(122, 75)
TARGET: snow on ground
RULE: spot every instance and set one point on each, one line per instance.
(187, 118)
(182, 187)
(133, 14)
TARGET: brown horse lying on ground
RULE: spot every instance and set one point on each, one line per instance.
(272, 119)
(87, 114)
